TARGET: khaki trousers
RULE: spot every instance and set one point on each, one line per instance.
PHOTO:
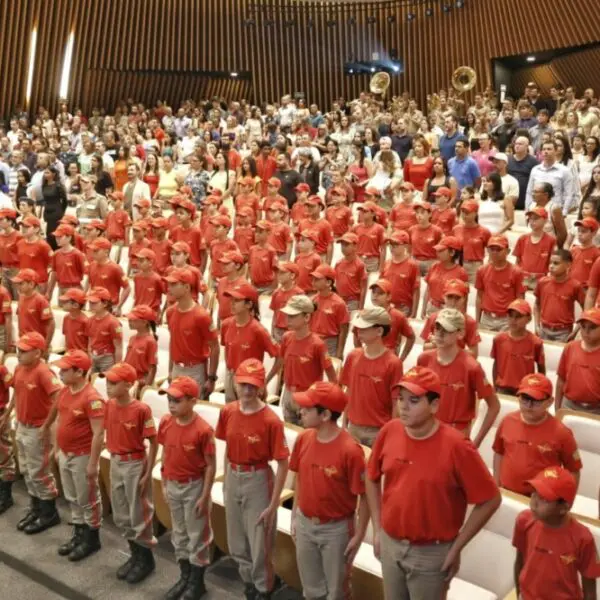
(592, 409)
(431, 308)
(247, 495)
(555, 335)
(192, 535)
(102, 362)
(230, 395)
(34, 462)
(196, 372)
(323, 569)
(8, 465)
(132, 511)
(425, 265)
(471, 267)
(363, 434)
(352, 305)
(291, 411)
(371, 263)
(492, 322)
(82, 494)
(7, 281)
(412, 571)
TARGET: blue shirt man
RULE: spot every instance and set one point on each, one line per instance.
(450, 137)
(464, 168)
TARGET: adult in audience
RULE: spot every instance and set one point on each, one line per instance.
(289, 178)
(451, 136)
(520, 165)
(463, 168)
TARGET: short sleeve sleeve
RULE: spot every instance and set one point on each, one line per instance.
(278, 445)
(148, 423)
(356, 470)
(519, 540)
(476, 481)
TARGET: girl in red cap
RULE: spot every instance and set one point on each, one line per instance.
(371, 237)
(9, 256)
(306, 258)
(220, 244)
(280, 235)
(351, 273)
(254, 436)
(142, 348)
(118, 221)
(403, 215)
(443, 215)
(243, 234)
(138, 242)
(188, 232)
(262, 259)
(287, 276)
(339, 215)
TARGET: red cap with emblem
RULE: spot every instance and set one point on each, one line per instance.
(75, 359)
(420, 381)
(536, 385)
(182, 386)
(325, 394)
(251, 371)
(121, 372)
(555, 483)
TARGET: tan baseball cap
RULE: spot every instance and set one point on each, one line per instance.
(451, 320)
(370, 317)
(298, 305)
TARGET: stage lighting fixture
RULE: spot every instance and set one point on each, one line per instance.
(351, 71)
(371, 20)
(460, 3)
(531, 59)
(373, 69)
(429, 12)
(446, 8)
(395, 68)
(233, 74)
(391, 19)
(410, 17)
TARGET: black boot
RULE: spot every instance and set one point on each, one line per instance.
(32, 513)
(47, 517)
(195, 587)
(250, 592)
(179, 587)
(6, 499)
(89, 544)
(143, 566)
(68, 547)
(124, 569)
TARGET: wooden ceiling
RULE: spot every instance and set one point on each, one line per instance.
(173, 41)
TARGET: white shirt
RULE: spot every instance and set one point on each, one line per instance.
(510, 186)
(491, 215)
(561, 179)
(5, 201)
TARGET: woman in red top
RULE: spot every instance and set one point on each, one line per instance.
(446, 268)
(419, 168)
(9, 257)
(254, 436)
(142, 347)
(359, 171)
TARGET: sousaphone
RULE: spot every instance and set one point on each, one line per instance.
(464, 79)
(379, 84)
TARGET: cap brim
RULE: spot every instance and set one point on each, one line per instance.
(523, 313)
(446, 327)
(291, 312)
(413, 388)
(360, 323)
(250, 380)
(19, 280)
(26, 347)
(304, 400)
(502, 247)
(440, 247)
(578, 320)
(318, 275)
(172, 391)
(543, 490)
(533, 392)
(93, 299)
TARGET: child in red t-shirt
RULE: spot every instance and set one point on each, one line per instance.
(33, 310)
(118, 221)
(516, 352)
(142, 348)
(339, 215)
(69, 265)
(105, 332)
(287, 276)
(243, 234)
(554, 550)
(402, 215)
(586, 253)
(220, 245)
(280, 236)
(262, 260)
(34, 252)
(424, 236)
(298, 212)
(443, 215)
(351, 273)
(75, 322)
(307, 259)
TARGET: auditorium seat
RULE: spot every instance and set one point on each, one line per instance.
(58, 344)
(586, 429)
(157, 402)
(594, 526)
(10, 361)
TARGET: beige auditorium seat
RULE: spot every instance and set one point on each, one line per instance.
(586, 429)
(594, 526)
(10, 361)
(58, 344)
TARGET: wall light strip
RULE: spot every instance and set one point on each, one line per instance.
(32, 50)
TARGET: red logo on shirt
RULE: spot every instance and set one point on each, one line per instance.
(128, 425)
(253, 439)
(568, 558)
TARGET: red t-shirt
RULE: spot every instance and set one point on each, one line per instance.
(280, 237)
(250, 200)
(400, 328)
(557, 301)
(403, 216)
(103, 333)
(192, 236)
(5, 305)
(217, 249)
(350, 277)
(527, 450)
(463, 381)
(330, 315)
(436, 279)
(127, 426)
(76, 332)
(583, 261)
(191, 333)
(252, 439)
(470, 339)
(108, 275)
(427, 483)
(251, 340)
(35, 255)
(262, 261)
(162, 249)
(279, 299)
(142, 353)
(405, 279)
(534, 257)
(340, 218)
(6, 382)
(423, 240)
(445, 219)
(323, 229)
(185, 448)
(499, 287)
(580, 372)
(148, 290)
(34, 313)
(554, 558)
(225, 284)
(9, 254)
(244, 238)
(117, 222)
(371, 239)
(305, 360)
(34, 386)
(307, 263)
(474, 241)
(594, 279)
(516, 358)
(70, 267)
(369, 382)
(75, 411)
(331, 475)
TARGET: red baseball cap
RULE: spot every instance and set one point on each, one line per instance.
(63, 230)
(143, 202)
(26, 275)
(245, 211)
(243, 291)
(521, 306)
(420, 380)
(383, 284)
(324, 272)
(289, 267)
(187, 205)
(456, 287)
(216, 192)
(98, 294)
(448, 242)
(338, 191)
(443, 191)
(31, 222)
(160, 223)
(302, 187)
(588, 223)
(212, 199)
(498, 241)
(232, 256)
(31, 341)
(422, 204)
(349, 238)
(140, 226)
(186, 190)
(591, 314)
(539, 211)
(121, 372)
(278, 206)
(8, 213)
(181, 247)
(146, 253)
(101, 243)
(74, 294)
(310, 234)
(536, 385)
(251, 371)
(182, 386)
(96, 224)
(142, 312)
(407, 185)
(399, 237)
(77, 359)
(372, 191)
(368, 206)
(117, 195)
(221, 220)
(264, 225)
(274, 182)
(470, 206)
(555, 483)
(314, 200)
(181, 275)
(325, 394)
(70, 220)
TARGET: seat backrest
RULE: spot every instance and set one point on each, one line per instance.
(507, 405)
(586, 430)
(99, 384)
(208, 412)
(594, 526)
(157, 403)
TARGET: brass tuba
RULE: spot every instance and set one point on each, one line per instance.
(380, 82)
(464, 79)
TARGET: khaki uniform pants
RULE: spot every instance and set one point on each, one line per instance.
(102, 362)
(8, 466)
(192, 535)
(196, 372)
(332, 345)
(323, 569)
(132, 510)
(411, 571)
(7, 281)
(471, 267)
(34, 462)
(230, 395)
(371, 263)
(291, 411)
(82, 494)
(363, 434)
(247, 495)
(352, 305)
(555, 335)
(431, 308)
(592, 409)
(425, 265)
(489, 321)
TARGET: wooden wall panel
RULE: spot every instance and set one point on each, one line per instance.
(209, 35)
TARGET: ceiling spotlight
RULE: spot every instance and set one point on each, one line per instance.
(373, 69)
(391, 19)
(429, 12)
(411, 17)
(371, 20)
(460, 3)
(531, 59)
(351, 20)
(446, 8)
(233, 74)
(351, 71)
(395, 68)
